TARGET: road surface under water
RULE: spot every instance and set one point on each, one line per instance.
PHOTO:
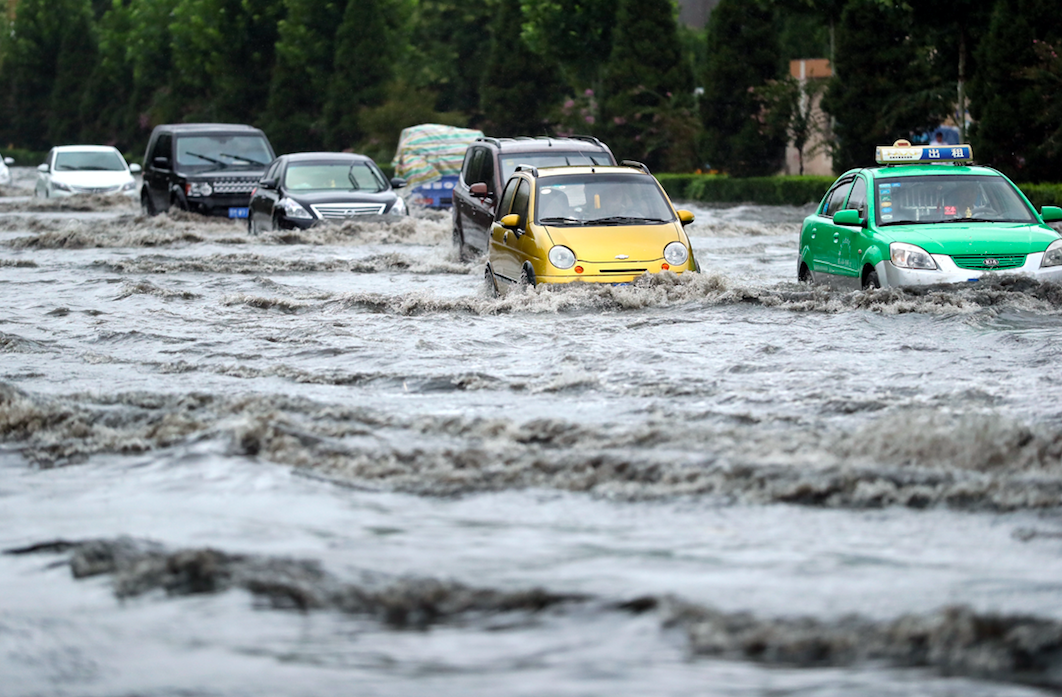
(322, 462)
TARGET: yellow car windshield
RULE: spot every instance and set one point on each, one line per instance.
(601, 199)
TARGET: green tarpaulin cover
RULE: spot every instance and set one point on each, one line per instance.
(430, 151)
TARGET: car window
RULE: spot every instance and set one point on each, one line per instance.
(857, 200)
(486, 174)
(522, 200)
(507, 197)
(163, 146)
(88, 161)
(943, 198)
(271, 173)
(601, 199)
(473, 165)
(551, 159)
(341, 176)
(836, 197)
(222, 152)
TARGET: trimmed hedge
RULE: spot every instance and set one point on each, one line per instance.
(24, 158)
(792, 191)
(772, 191)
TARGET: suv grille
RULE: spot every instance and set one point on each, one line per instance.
(338, 211)
(977, 261)
(233, 185)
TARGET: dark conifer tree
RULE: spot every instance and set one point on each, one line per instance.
(448, 53)
(648, 82)
(29, 71)
(885, 86)
(305, 54)
(519, 87)
(1010, 107)
(74, 64)
(361, 70)
(743, 55)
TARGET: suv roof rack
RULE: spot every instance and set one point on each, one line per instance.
(527, 168)
(489, 139)
(588, 139)
(636, 165)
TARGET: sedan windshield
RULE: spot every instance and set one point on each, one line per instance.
(89, 160)
(359, 176)
(953, 198)
(601, 199)
(551, 159)
(222, 152)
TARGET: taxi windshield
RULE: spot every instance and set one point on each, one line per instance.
(950, 198)
(601, 199)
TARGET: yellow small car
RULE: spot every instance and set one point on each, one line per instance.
(600, 224)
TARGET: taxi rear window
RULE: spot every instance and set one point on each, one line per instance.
(941, 198)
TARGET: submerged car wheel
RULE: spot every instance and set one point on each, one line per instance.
(459, 243)
(871, 280)
(804, 274)
(146, 206)
(250, 224)
(490, 284)
(527, 278)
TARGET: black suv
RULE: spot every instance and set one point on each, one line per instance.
(488, 164)
(209, 168)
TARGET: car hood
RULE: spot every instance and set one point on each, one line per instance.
(315, 197)
(92, 179)
(975, 238)
(604, 243)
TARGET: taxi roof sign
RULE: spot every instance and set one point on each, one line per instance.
(902, 152)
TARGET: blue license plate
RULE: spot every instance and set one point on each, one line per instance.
(238, 212)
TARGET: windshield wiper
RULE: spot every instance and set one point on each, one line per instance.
(353, 181)
(241, 157)
(624, 220)
(208, 159)
(561, 221)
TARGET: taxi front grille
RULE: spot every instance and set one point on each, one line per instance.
(339, 211)
(233, 185)
(988, 262)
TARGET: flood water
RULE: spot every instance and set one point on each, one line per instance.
(325, 462)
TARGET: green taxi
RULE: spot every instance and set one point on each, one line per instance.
(924, 216)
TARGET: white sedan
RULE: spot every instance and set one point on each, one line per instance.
(5, 173)
(85, 169)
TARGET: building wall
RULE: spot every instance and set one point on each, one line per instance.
(817, 158)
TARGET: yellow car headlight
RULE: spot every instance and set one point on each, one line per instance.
(676, 254)
(562, 257)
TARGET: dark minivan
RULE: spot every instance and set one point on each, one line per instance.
(489, 162)
(207, 168)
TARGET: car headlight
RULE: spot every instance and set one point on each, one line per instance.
(908, 256)
(293, 209)
(198, 189)
(1053, 255)
(399, 208)
(129, 186)
(562, 257)
(676, 254)
(60, 186)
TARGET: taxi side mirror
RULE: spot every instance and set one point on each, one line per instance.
(511, 221)
(685, 217)
(848, 217)
(1051, 214)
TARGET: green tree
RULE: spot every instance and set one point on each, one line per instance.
(30, 71)
(648, 88)
(448, 53)
(305, 55)
(150, 53)
(743, 57)
(892, 91)
(361, 71)
(107, 111)
(575, 34)
(77, 55)
(518, 86)
(1011, 100)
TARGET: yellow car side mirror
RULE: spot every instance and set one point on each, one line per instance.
(510, 221)
(685, 217)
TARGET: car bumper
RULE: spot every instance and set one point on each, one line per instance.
(217, 205)
(59, 193)
(612, 277)
(892, 276)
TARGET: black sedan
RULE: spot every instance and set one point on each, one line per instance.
(302, 189)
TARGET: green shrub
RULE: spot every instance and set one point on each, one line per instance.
(1040, 195)
(24, 158)
(772, 191)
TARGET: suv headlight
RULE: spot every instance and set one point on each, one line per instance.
(676, 254)
(561, 257)
(1053, 255)
(198, 189)
(908, 256)
(294, 209)
(399, 208)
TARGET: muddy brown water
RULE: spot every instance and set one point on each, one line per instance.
(294, 463)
